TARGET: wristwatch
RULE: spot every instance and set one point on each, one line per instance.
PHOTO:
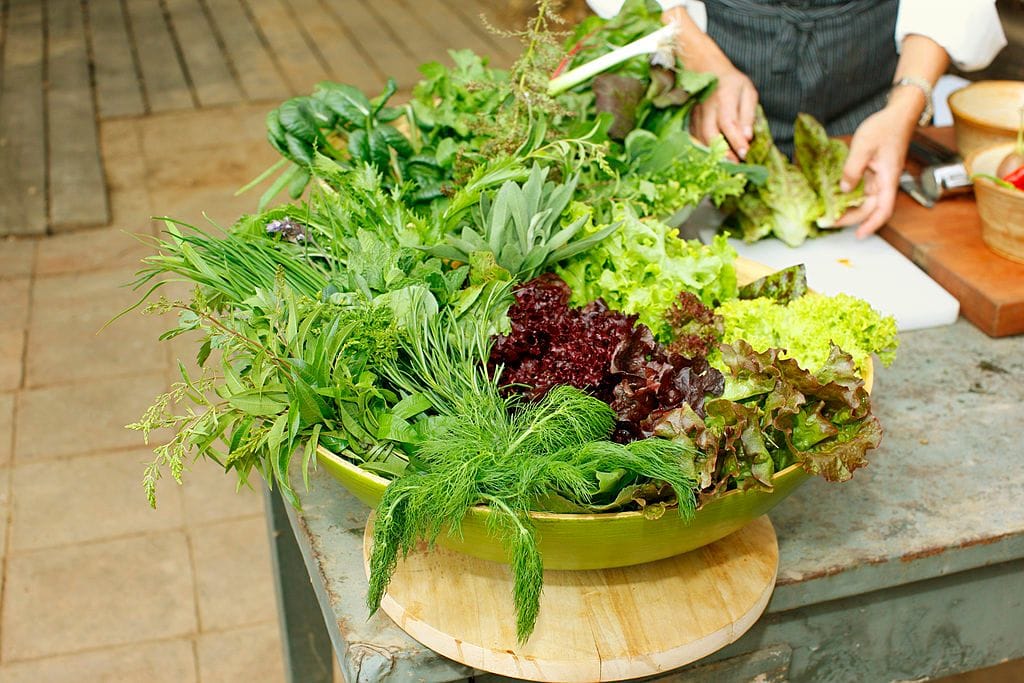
(926, 88)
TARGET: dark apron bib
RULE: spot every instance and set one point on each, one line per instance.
(834, 59)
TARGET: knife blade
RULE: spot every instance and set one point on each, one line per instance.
(909, 184)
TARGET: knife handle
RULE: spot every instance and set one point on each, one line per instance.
(931, 153)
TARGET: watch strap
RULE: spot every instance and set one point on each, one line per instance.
(926, 89)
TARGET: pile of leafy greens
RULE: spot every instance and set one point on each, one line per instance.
(475, 299)
(797, 200)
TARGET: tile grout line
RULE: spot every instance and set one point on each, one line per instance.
(180, 54)
(310, 43)
(29, 315)
(129, 536)
(148, 641)
(194, 570)
(44, 6)
(5, 12)
(354, 40)
(386, 25)
(429, 28)
(262, 37)
(194, 646)
(87, 454)
(204, 7)
(9, 521)
(126, 17)
(8, 528)
(105, 377)
(94, 96)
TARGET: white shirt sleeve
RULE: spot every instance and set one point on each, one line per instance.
(969, 30)
(606, 9)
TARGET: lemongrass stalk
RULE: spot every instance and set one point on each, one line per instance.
(650, 44)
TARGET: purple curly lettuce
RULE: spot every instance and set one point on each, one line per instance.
(605, 353)
(695, 327)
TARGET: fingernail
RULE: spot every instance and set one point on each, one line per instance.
(748, 131)
(742, 153)
(844, 186)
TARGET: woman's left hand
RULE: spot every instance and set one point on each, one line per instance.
(877, 154)
(879, 145)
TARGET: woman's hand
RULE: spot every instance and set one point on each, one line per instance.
(877, 154)
(730, 110)
(879, 145)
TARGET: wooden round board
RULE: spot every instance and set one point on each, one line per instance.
(601, 625)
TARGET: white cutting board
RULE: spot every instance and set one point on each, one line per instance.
(870, 269)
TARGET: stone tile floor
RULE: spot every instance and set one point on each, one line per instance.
(96, 585)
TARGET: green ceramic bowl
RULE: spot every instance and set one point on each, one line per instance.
(593, 541)
(599, 541)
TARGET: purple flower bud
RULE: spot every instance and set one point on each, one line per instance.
(288, 229)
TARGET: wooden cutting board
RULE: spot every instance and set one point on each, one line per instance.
(946, 243)
(602, 625)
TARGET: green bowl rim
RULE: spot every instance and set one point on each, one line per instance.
(581, 516)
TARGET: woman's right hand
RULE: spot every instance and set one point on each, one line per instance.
(730, 110)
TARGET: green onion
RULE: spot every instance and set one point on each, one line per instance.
(652, 43)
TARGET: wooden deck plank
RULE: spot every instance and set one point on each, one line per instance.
(165, 83)
(22, 131)
(300, 64)
(208, 69)
(259, 76)
(348, 61)
(78, 189)
(504, 49)
(118, 91)
(386, 49)
(449, 27)
(409, 31)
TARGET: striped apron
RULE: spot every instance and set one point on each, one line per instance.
(834, 59)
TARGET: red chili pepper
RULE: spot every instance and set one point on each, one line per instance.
(1016, 178)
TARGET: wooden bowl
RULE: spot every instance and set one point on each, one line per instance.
(986, 113)
(601, 541)
(1001, 209)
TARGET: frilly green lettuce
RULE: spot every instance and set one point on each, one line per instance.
(806, 327)
(642, 267)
